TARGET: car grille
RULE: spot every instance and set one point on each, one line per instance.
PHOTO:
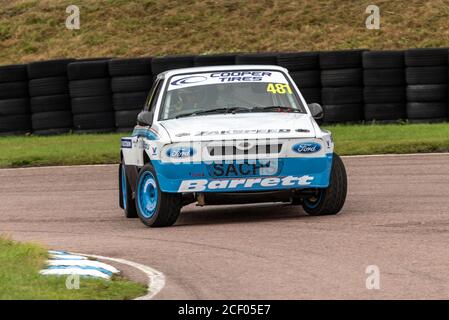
(226, 150)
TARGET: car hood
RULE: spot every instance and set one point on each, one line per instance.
(240, 126)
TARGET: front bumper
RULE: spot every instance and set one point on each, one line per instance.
(252, 175)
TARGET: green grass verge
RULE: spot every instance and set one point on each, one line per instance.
(20, 279)
(76, 149)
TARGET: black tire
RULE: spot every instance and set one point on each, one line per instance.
(341, 59)
(49, 68)
(330, 201)
(427, 93)
(342, 95)
(127, 118)
(162, 64)
(384, 94)
(343, 113)
(342, 77)
(383, 59)
(92, 69)
(48, 86)
(93, 104)
(51, 120)
(257, 58)
(13, 73)
(50, 103)
(214, 60)
(297, 61)
(129, 101)
(18, 123)
(14, 106)
(129, 67)
(126, 201)
(383, 77)
(89, 88)
(427, 110)
(11, 90)
(131, 83)
(426, 75)
(94, 121)
(306, 79)
(312, 95)
(168, 205)
(426, 57)
(384, 111)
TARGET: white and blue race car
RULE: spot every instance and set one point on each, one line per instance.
(228, 135)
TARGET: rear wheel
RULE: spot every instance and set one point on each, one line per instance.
(329, 201)
(154, 207)
(126, 201)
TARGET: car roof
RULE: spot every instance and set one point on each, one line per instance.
(174, 72)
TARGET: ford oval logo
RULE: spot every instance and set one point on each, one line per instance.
(306, 147)
(180, 152)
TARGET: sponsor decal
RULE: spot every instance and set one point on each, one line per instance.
(244, 169)
(242, 131)
(199, 185)
(188, 80)
(180, 152)
(306, 147)
(235, 76)
(126, 143)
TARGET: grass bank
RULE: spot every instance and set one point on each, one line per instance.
(20, 280)
(73, 149)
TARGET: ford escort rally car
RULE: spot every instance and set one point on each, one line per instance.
(228, 135)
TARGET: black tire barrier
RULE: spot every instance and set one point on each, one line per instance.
(257, 58)
(342, 77)
(14, 106)
(384, 94)
(50, 103)
(306, 78)
(383, 77)
(15, 124)
(95, 104)
(299, 61)
(52, 120)
(162, 64)
(13, 73)
(343, 113)
(427, 93)
(48, 86)
(89, 87)
(126, 118)
(384, 111)
(11, 90)
(342, 95)
(131, 83)
(341, 59)
(129, 101)
(426, 57)
(129, 67)
(214, 60)
(383, 59)
(426, 75)
(427, 110)
(94, 122)
(312, 95)
(48, 69)
(82, 70)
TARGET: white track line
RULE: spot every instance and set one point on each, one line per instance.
(156, 279)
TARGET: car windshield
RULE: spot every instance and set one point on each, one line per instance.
(228, 92)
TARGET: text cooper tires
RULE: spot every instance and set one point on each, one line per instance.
(329, 201)
(154, 207)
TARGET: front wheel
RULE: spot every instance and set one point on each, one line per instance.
(329, 201)
(154, 207)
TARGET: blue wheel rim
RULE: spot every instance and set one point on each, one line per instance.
(124, 188)
(147, 195)
(315, 203)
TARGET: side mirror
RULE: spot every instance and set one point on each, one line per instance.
(145, 118)
(317, 112)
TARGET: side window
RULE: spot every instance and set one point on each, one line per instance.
(152, 97)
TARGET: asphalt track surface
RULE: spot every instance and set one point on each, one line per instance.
(396, 217)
